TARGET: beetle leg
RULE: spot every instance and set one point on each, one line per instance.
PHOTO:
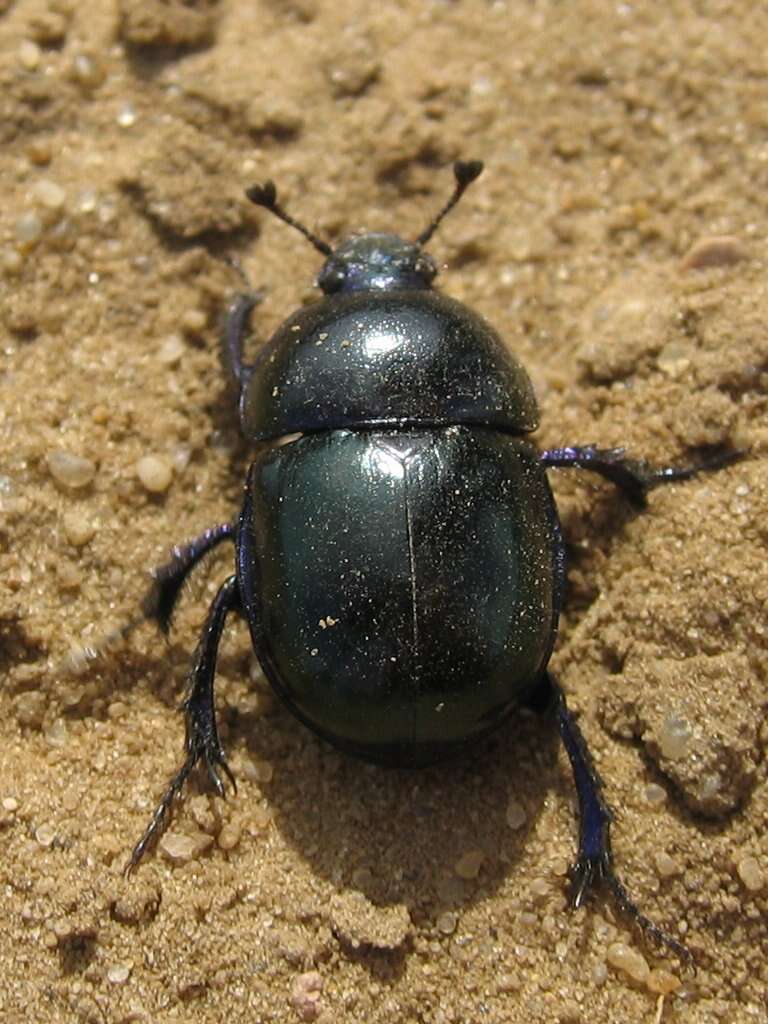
(233, 335)
(634, 476)
(160, 600)
(594, 863)
(202, 737)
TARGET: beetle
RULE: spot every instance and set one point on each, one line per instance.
(398, 554)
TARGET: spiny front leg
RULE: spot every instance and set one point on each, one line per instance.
(160, 600)
(202, 737)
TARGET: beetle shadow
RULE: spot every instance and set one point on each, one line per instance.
(430, 843)
(436, 839)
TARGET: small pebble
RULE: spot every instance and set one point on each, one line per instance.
(70, 470)
(126, 116)
(171, 350)
(446, 923)
(468, 866)
(48, 194)
(118, 973)
(28, 228)
(655, 794)
(229, 836)
(751, 874)
(45, 835)
(674, 737)
(10, 803)
(155, 473)
(628, 960)
(715, 251)
(180, 458)
(88, 71)
(56, 735)
(539, 889)
(194, 321)
(39, 151)
(666, 866)
(77, 528)
(180, 848)
(10, 261)
(29, 55)
(86, 200)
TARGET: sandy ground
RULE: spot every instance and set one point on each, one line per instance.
(616, 138)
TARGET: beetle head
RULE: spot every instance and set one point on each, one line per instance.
(376, 261)
(373, 261)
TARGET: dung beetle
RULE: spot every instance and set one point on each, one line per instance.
(398, 555)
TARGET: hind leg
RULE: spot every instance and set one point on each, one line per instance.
(594, 861)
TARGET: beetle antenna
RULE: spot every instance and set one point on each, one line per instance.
(465, 172)
(266, 195)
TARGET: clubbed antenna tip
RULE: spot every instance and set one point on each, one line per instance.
(465, 172)
(263, 195)
(266, 195)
